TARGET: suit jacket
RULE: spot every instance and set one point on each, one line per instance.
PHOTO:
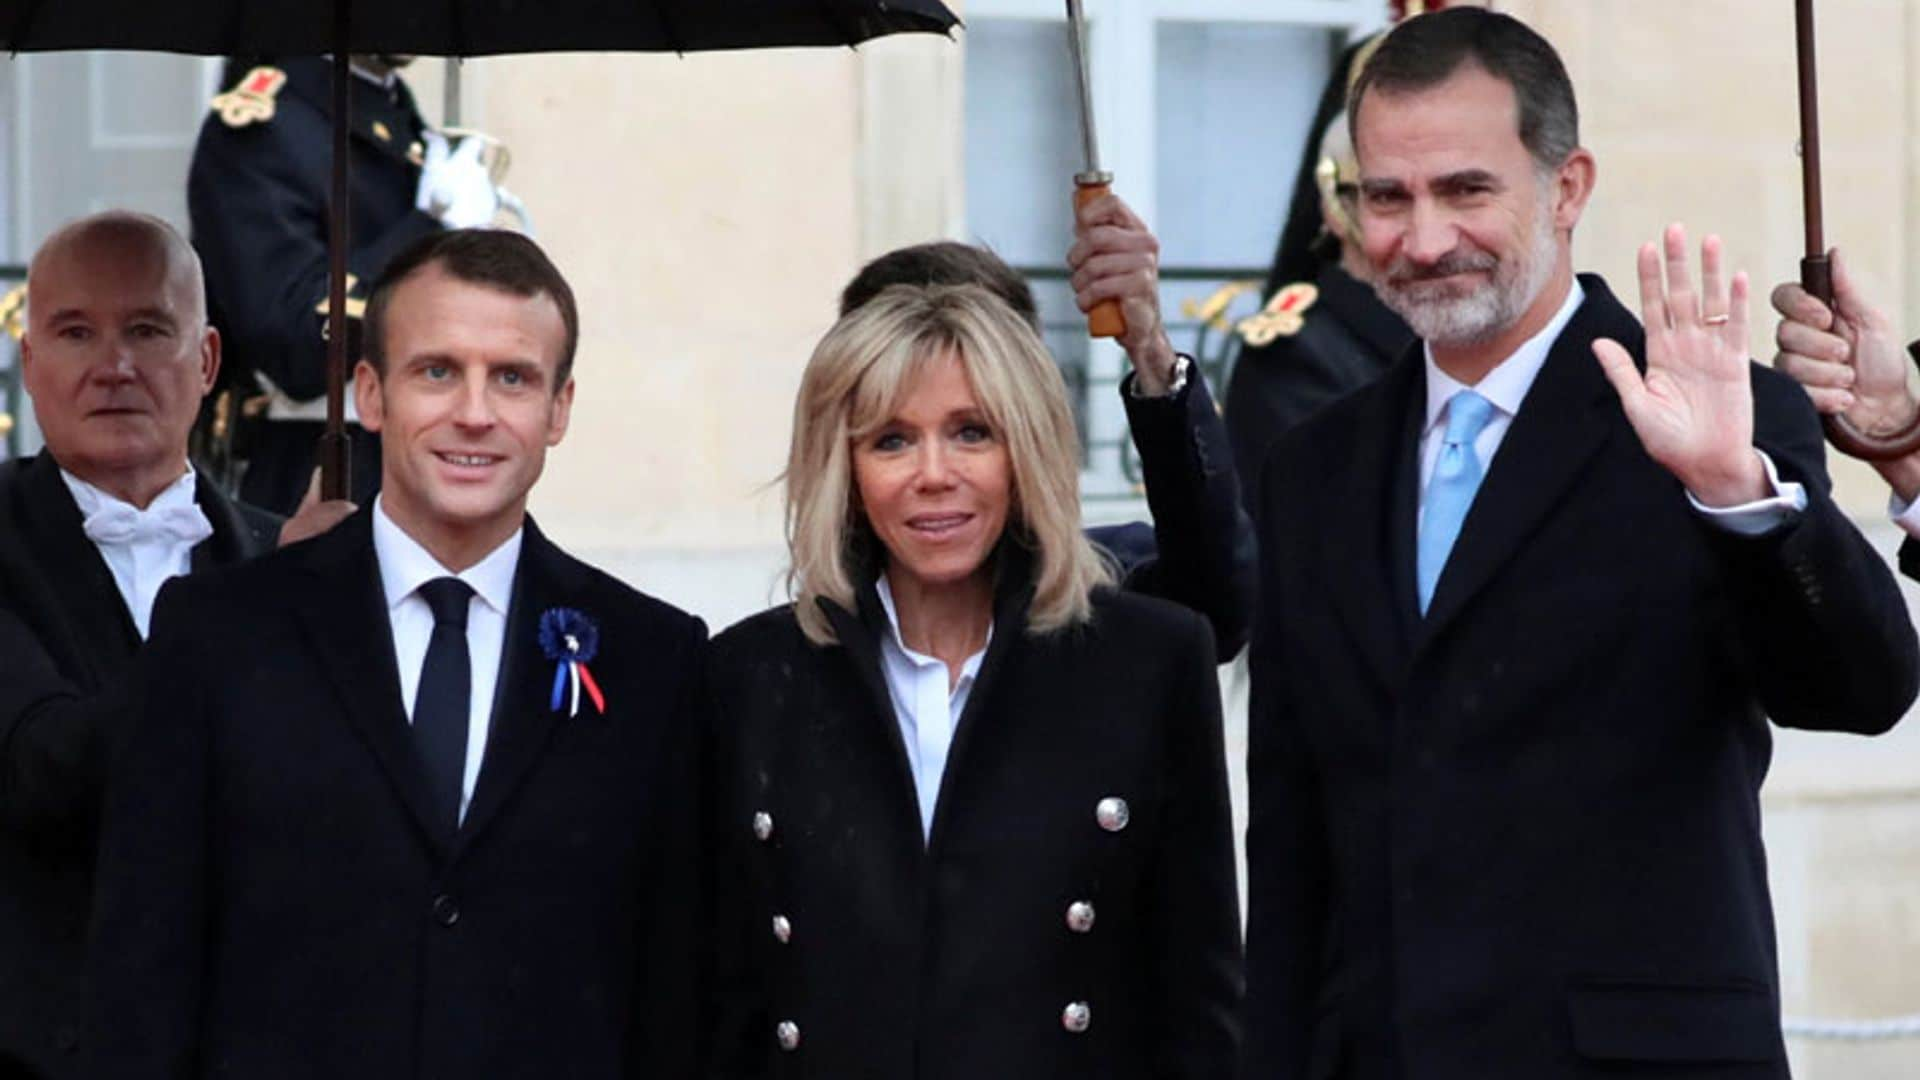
(274, 900)
(1200, 551)
(67, 650)
(1521, 837)
(1347, 339)
(953, 957)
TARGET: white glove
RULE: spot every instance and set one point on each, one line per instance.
(454, 186)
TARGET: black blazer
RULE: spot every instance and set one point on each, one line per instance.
(1521, 837)
(953, 958)
(274, 902)
(67, 649)
(1200, 551)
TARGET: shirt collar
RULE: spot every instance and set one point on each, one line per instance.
(893, 626)
(1507, 384)
(405, 565)
(91, 499)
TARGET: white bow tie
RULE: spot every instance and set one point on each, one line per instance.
(122, 524)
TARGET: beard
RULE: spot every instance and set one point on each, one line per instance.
(1453, 313)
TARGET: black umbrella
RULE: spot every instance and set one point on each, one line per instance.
(439, 28)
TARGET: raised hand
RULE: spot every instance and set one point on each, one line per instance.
(1116, 257)
(1846, 357)
(1693, 409)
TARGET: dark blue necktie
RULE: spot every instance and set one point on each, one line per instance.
(440, 707)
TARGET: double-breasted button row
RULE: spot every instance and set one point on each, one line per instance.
(788, 1034)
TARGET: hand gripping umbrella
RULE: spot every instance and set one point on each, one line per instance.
(439, 28)
(1816, 274)
(1092, 182)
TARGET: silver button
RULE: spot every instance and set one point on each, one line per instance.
(1112, 813)
(1080, 916)
(762, 826)
(783, 928)
(1077, 1017)
(788, 1033)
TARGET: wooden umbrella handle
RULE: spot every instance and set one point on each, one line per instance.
(1816, 276)
(1106, 319)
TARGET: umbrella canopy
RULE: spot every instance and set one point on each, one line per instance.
(439, 28)
(458, 27)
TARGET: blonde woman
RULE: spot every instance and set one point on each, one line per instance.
(972, 803)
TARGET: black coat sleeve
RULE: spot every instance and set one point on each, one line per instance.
(150, 910)
(53, 743)
(1206, 557)
(1288, 864)
(1193, 916)
(258, 202)
(1824, 625)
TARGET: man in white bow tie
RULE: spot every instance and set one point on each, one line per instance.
(116, 357)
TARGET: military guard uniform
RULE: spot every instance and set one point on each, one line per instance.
(257, 195)
(1314, 342)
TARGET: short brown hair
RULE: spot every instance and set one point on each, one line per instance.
(497, 258)
(943, 262)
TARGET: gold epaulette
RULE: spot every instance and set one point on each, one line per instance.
(1283, 316)
(252, 100)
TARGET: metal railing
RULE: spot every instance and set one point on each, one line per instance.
(1110, 467)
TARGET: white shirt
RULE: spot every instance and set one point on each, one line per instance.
(926, 710)
(404, 567)
(1506, 387)
(144, 563)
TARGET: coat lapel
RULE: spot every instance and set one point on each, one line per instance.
(1562, 423)
(1013, 595)
(522, 724)
(103, 630)
(344, 615)
(1370, 542)
(233, 538)
(859, 635)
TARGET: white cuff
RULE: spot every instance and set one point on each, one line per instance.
(1905, 514)
(1761, 515)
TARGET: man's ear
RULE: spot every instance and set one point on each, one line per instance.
(209, 359)
(1573, 186)
(368, 396)
(562, 413)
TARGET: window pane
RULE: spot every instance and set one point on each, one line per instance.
(1234, 104)
(1023, 139)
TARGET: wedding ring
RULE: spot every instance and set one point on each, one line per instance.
(1716, 320)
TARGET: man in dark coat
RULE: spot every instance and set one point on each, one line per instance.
(1848, 360)
(257, 192)
(116, 356)
(1323, 333)
(1507, 737)
(1199, 550)
(410, 801)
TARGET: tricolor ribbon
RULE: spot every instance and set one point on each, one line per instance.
(570, 639)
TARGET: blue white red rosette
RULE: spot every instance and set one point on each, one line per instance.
(571, 639)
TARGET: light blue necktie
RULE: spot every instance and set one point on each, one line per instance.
(1456, 477)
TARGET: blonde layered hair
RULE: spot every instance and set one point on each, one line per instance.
(856, 381)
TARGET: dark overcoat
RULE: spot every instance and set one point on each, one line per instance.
(67, 655)
(1520, 836)
(275, 899)
(897, 957)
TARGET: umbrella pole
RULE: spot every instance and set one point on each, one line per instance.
(333, 452)
(1816, 271)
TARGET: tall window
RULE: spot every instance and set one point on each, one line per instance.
(1203, 109)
